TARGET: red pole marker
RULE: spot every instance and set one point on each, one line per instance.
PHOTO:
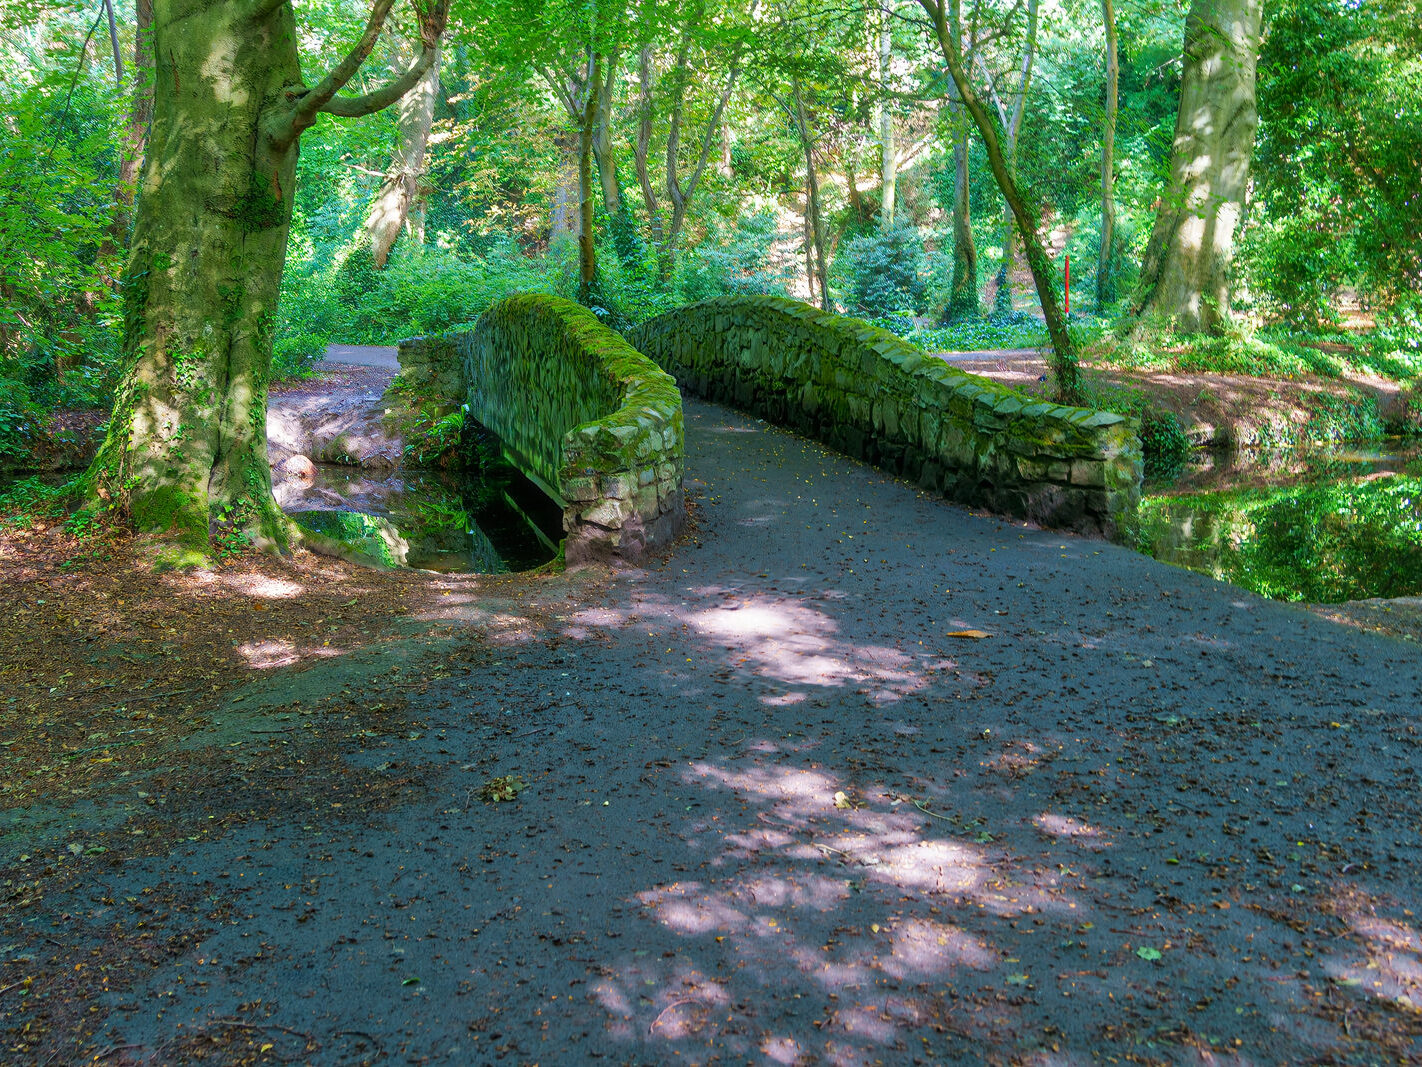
(1066, 290)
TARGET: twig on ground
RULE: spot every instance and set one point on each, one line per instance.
(674, 1004)
(935, 815)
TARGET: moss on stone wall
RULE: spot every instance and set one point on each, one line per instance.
(577, 409)
(873, 396)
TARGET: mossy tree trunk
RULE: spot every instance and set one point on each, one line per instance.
(963, 300)
(1064, 361)
(1106, 256)
(1185, 275)
(186, 450)
(814, 217)
(587, 133)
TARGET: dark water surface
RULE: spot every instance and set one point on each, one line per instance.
(1323, 526)
(432, 520)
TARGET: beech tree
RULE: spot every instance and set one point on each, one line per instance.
(186, 450)
(1185, 275)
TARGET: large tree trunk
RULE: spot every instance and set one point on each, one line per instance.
(187, 442)
(1064, 362)
(1106, 256)
(398, 200)
(963, 294)
(813, 214)
(186, 450)
(1185, 275)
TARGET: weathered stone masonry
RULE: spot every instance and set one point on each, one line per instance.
(578, 410)
(867, 393)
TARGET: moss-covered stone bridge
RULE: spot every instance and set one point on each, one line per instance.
(596, 419)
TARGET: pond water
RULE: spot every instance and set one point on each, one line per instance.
(487, 523)
(1322, 526)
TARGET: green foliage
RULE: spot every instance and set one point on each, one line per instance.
(19, 417)
(59, 331)
(432, 438)
(29, 498)
(976, 335)
(884, 271)
(734, 260)
(1339, 151)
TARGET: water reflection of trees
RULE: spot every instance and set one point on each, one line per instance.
(1320, 543)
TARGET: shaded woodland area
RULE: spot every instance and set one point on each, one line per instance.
(847, 773)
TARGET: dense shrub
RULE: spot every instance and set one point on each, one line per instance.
(739, 259)
(883, 271)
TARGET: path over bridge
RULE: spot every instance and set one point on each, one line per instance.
(777, 812)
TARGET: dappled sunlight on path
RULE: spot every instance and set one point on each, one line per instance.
(854, 777)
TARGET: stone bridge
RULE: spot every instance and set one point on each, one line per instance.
(873, 396)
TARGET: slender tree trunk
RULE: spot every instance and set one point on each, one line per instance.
(963, 294)
(812, 200)
(644, 144)
(564, 218)
(1064, 362)
(396, 202)
(602, 140)
(851, 187)
(140, 114)
(1012, 129)
(679, 195)
(587, 248)
(888, 151)
(1106, 256)
(1185, 274)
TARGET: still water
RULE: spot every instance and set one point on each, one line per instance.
(488, 524)
(1322, 526)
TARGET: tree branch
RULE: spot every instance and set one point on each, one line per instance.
(349, 107)
(316, 99)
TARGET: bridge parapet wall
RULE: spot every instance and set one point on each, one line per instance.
(578, 410)
(875, 397)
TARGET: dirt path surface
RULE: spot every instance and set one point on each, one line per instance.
(854, 777)
(386, 357)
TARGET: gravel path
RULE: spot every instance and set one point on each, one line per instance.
(779, 811)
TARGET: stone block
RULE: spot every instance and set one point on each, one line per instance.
(580, 489)
(619, 485)
(607, 513)
(1088, 472)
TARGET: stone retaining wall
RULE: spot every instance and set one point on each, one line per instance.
(870, 394)
(578, 410)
